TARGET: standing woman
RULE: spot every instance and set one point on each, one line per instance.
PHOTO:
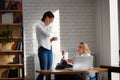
(43, 31)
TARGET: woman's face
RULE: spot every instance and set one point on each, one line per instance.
(80, 49)
(48, 20)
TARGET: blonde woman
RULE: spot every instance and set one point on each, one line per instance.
(83, 50)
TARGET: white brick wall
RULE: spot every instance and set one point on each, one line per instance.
(75, 23)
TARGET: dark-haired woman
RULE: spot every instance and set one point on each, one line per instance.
(43, 31)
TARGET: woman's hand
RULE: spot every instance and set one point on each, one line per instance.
(69, 61)
(53, 39)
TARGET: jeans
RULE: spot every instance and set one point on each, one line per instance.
(89, 76)
(45, 59)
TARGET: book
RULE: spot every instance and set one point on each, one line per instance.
(18, 46)
(19, 5)
(14, 46)
(21, 46)
(11, 5)
(2, 4)
(8, 5)
(18, 19)
(20, 32)
(13, 73)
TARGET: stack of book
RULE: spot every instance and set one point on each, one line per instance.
(14, 5)
(2, 4)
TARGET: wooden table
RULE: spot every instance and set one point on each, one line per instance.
(95, 70)
(111, 69)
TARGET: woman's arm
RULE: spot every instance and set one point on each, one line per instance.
(44, 31)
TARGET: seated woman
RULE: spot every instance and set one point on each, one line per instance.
(83, 50)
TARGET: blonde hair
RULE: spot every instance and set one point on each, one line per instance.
(85, 47)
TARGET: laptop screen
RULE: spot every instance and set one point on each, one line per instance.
(83, 62)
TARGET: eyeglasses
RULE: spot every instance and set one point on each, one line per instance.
(80, 47)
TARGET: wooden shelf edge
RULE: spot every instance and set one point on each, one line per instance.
(12, 51)
(11, 78)
(13, 24)
(10, 10)
(13, 37)
(11, 66)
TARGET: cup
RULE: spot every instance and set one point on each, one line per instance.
(55, 38)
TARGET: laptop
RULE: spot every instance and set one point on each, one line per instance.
(82, 63)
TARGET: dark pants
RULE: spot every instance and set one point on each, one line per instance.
(89, 76)
(45, 58)
(65, 77)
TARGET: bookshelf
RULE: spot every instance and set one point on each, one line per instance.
(11, 55)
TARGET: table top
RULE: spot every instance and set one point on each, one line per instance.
(64, 71)
(108, 66)
(111, 68)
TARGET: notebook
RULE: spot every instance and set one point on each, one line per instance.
(82, 63)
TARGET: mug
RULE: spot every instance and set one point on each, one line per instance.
(55, 38)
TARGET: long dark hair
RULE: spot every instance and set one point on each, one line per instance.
(47, 14)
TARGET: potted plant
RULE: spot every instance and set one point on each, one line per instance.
(7, 39)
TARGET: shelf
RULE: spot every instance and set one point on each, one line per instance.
(14, 24)
(11, 66)
(17, 38)
(11, 78)
(12, 19)
(13, 38)
(8, 0)
(10, 10)
(17, 52)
